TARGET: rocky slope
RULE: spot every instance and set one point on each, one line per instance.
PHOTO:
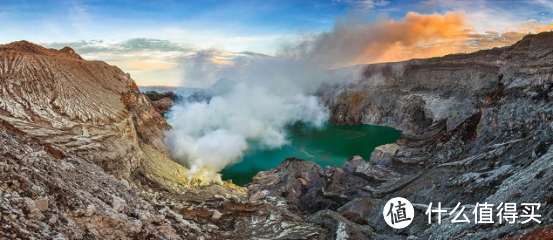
(84, 107)
(82, 153)
(477, 128)
(82, 157)
(43, 197)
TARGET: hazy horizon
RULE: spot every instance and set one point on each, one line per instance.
(167, 43)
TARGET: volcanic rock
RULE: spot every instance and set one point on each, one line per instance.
(294, 181)
(163, 105)
(42, 204)
(118, 204)
(87, 108)
(339, 227)
(476, 128)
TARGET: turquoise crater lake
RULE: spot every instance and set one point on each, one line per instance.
(331, 145)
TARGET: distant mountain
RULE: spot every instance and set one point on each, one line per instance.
(220, 87)
(182, 91)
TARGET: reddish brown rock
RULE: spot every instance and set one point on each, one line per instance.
(163, 105)
(88, 108)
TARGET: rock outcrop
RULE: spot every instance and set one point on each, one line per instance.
(82, 154)
(476, 128)
(163, 105)
(88, 108)
(82, 157)
(43, 197)
(221, 87)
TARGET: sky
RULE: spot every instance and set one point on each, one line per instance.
(165, 42)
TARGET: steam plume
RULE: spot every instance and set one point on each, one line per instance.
(275, 91)
(210, 136)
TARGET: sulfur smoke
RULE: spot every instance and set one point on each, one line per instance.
(276, 91)
(211, 136)
(271, 93)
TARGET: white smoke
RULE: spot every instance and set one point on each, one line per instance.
(273, 92)
(207, 137)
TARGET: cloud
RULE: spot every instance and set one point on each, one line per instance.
(205, 67)
(123, 46)
(144, 65)
(352, 42)
(373, 3)
(142, 44)
(545, 3)
(80, 18)
(365, 4)
(143, 58)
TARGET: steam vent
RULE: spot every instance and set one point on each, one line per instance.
(276, 120)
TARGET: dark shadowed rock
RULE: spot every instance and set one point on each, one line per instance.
(339, 227)
(365, 211)
(295, 181)
(163, 105)
(476, 128)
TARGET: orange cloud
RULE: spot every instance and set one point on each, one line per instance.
(386, 40)
(417, 36)
(220, 61)
(144, 64)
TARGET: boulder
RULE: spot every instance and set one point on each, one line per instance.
(118, 204)
(340, 227)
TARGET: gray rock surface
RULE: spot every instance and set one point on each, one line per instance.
(339, 227)
(82, 157)
(476, 128)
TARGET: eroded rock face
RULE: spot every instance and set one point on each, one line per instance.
(295, 181)
(477, 128)
(43, 197)
(163, 105)
(82, 157)
(88, 108)
(340, 227)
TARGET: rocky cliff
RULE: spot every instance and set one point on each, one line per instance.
(82, 157)
(476, 128)
(82, 153)
(87, 108)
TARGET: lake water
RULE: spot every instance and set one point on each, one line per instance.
(332, 145)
